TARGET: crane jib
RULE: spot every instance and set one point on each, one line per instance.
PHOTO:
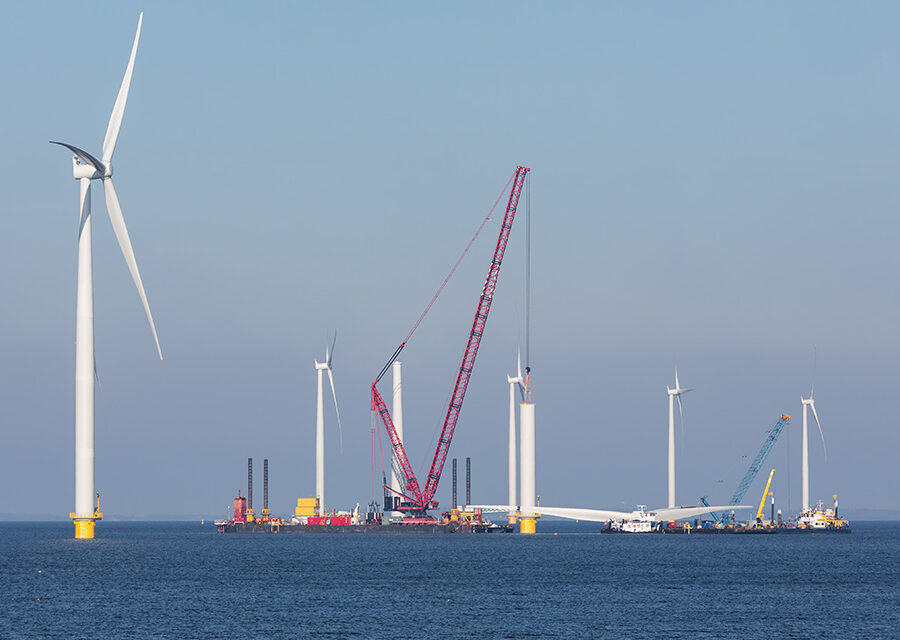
(410, 482)
(424, 498)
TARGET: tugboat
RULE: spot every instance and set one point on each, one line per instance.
(820, 519)
(642, 522)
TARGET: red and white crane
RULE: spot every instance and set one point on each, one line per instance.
(420, 500)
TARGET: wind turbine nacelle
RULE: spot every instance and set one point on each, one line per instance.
(83, 170)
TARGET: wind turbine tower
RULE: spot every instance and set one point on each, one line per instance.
(86, 168)
(320, 426)
(528, 514)
(517, 381)
(673, 394)
(804, 471)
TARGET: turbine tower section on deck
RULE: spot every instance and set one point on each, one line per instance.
(397, 412)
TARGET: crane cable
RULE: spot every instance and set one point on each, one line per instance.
(444, 283)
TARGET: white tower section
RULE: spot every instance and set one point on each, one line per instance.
(527, 483)
(84, 363)
(397, 415)
(670, 503)
(320, 440)
(804, 464)
(512, 443)
(519, 381)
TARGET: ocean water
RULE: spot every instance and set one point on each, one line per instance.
(182, 580)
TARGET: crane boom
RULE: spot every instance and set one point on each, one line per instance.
(411, 485)
(424, 498)
(757, 463)
(478, 324)
(755, 466)
(762, 503)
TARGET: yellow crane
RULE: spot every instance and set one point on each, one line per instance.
(762, 503)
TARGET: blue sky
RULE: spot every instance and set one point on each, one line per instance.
(713, 186)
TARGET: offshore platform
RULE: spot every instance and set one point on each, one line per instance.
(818, 519)
(307, 517)
(409, 504)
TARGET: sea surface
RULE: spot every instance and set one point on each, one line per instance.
(182, 580)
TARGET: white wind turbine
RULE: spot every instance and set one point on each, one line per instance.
(519, 381)
(804, 472)
(86, 168)
(320, 424)
(674, 393)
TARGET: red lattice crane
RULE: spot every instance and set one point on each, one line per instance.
(424, 499)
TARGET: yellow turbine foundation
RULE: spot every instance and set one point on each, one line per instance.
(84, 529)
(84, 525)
(527, 525)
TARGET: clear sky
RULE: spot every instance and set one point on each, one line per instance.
(714, 186)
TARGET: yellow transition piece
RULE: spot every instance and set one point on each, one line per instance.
(84, 529)
(527, 525)
(84, 524)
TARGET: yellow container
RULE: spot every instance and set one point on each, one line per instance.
(305, 507)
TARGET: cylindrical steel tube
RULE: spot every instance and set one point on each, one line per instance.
(527, 451)
(249, 483)
(453, 506)
(468, 481)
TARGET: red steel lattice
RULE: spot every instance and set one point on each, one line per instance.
(424, 498)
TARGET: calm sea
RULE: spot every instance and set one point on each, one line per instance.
(182, 580)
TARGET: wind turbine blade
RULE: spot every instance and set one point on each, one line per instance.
(518, 363)
(118, 225)
(812, 405)
(331, 353)
(677, 384)
(333, 395)
(592, 515)
(681, 413)
(83, 155)
(115, 119)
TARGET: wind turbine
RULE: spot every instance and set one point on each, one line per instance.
(804, 482)
(674, 393)
(320, 424)
(85, 168)
(519, 381)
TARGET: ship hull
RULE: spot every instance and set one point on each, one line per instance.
(436, 528)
